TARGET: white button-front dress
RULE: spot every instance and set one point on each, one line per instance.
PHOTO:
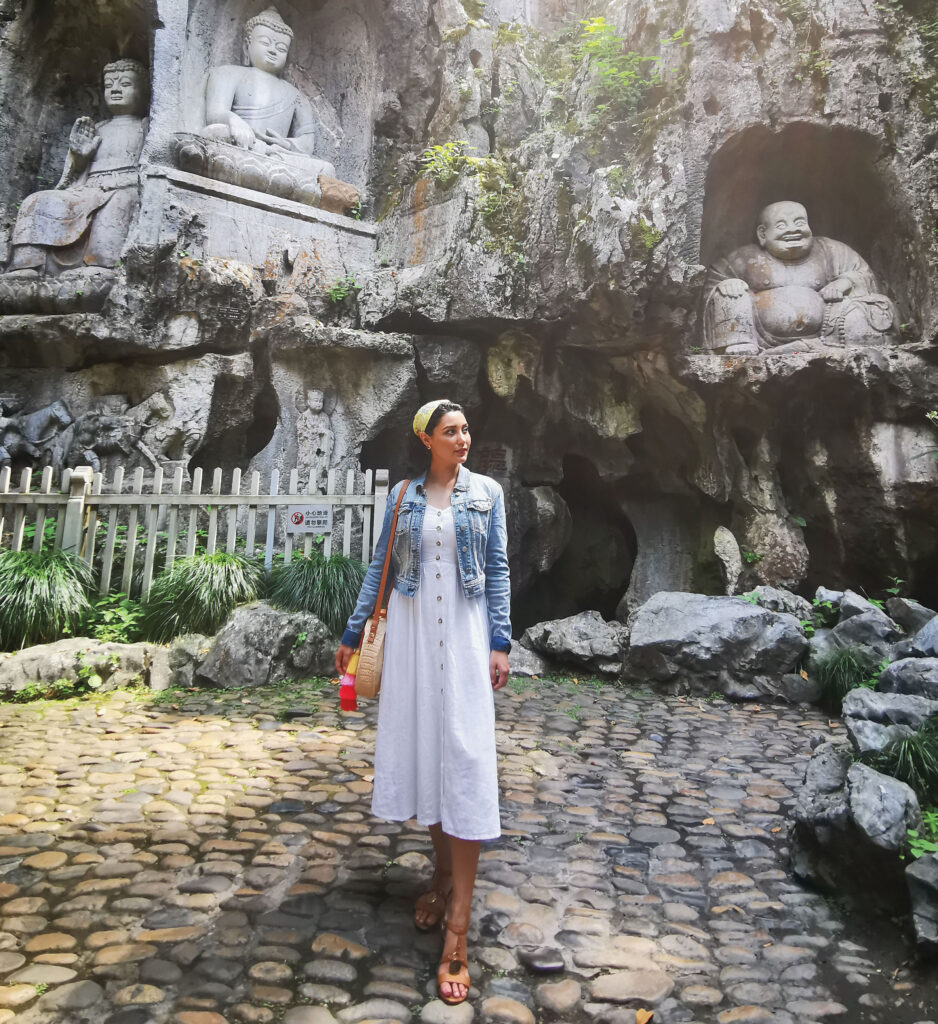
(435, 756)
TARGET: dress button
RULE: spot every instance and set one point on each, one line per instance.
(437, 557)
(463, 547)
(437, 575)
(441, 643)
(439, 529)
(440, 621)
(439, 599)
(438, 544)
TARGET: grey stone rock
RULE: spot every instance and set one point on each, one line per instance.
(874, 720)
(585, 639)
(706, 642)
(77, 995)
(925, 641)
(911, 675)
(921, 877)
(526, 663)
(308, 1015)
(185, 653)
(793, 688)
(372, 1009)
(777, 599)
(883, 808)
(257, 646)
(910, 615)
(834, 597)
(119, 665)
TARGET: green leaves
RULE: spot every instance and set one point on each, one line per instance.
(42, 596)
(622, 72)
(327, 587)
(198, 594)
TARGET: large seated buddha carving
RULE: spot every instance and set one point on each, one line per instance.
(68, 240)
(259, 129)
(792, 289)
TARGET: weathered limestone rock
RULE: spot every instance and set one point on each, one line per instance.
(260, 645)
(909, 614)
(911, 675)
(925, 642)
(874, 720)
(585, 639)
(185, 653)
(701, 643)
(921, 877)
(118, 665)
(778, 600)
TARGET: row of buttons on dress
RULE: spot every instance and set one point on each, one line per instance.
(439, 597)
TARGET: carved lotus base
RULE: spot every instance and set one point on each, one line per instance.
(285, 180)
(75, 291)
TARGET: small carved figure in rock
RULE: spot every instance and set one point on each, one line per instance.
(259, 129)
(29, 436)
(792, 288)
(100, 438)
(315, 440)
(75, 232)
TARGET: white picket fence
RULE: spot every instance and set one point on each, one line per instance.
(83, 507)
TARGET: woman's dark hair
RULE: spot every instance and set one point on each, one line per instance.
(417, 450)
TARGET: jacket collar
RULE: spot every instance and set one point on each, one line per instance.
(462, 481)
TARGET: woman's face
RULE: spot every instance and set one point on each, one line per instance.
(449, 442)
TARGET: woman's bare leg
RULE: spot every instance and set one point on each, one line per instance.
(427, 916)
(464, 856)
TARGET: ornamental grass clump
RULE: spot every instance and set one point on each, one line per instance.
(841, 670)
(327, 587)
(914, 761)
(42, 596)
(198, 594)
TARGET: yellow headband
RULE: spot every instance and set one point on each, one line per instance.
(424, 413)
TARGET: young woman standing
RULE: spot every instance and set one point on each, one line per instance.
(446, 650)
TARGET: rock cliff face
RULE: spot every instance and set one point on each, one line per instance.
(543, 189)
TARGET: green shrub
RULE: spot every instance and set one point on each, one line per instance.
(198, 594)
(914, 761)
(841, 670)
(42, 596)
(114, 618)
(327, 587)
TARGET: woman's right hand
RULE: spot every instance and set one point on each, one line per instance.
(342, 656)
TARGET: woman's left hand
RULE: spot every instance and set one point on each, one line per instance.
(498, 669)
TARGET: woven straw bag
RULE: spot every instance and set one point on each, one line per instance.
(371, 648)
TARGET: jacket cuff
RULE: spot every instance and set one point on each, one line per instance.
(499, 643)
(351, 638)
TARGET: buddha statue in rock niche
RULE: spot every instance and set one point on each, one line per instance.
(68, 240)
(259, 129)
(792, 289)
(254, 108)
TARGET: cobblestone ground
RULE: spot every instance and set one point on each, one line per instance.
(205, 858)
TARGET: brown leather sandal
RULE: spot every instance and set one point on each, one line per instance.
(432, 902)
(454, 968)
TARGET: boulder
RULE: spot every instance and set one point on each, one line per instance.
(118, 665)
(925, 641)
(870, 630)
(921, 877)
(778, 600)
(874, 720)
(832, 597)
(185, 654)
(705, 643)
(911, 675)
(850, 827)
(910, 615)
(261, 644)
(584, 639)
(527, 663)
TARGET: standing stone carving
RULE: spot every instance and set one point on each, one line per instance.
(28, 436)
(259, 129)
(792, 287)
(315, 439)
(68, 240)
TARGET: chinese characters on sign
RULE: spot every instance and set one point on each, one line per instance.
(309, 519)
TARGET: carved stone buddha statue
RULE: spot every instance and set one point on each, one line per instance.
(259, 129)
(792, 288)
(68, 240)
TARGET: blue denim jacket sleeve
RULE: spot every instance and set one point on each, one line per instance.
(497, 582)
(369, 591)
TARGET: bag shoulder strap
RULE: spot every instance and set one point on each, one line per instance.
(379, 601)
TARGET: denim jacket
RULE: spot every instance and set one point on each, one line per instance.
(481, 540)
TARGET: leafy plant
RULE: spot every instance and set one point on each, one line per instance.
(839, 671)
(88, 679)
(340, 290)
(327, 587)
(42, 596)
(199, 593)
(443, 164)
(751, 557)
(622, 72)
(114, 618)
(824, 613)
(896, 587)
(913, 760)
(926, 841)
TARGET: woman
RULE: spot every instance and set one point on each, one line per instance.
(446, 650)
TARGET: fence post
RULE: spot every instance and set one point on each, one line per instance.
(79, 486)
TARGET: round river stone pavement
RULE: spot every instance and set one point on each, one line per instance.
(209, 857)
